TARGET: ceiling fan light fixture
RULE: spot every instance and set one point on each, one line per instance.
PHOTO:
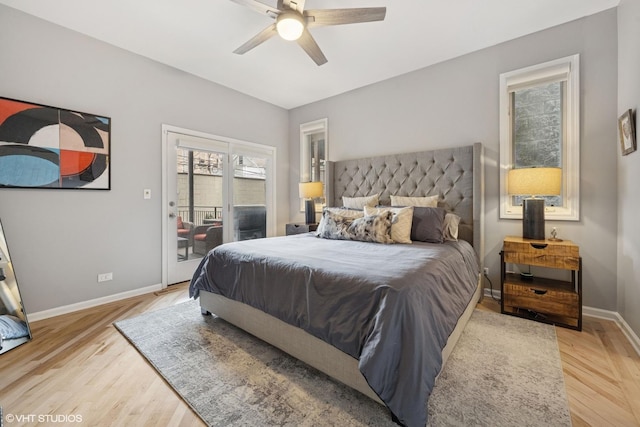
(290, 25)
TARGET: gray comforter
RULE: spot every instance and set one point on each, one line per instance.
(390, 306)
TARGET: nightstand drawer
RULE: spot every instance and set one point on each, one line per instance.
(564, 254)
(567, 263)
(541, 299)
(300, 228)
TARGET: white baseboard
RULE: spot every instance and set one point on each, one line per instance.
(619, 320)
(598, 313)
(496, 293)
(586, 311)
(45, 314)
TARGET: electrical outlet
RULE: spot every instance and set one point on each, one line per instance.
(486, 271)
(104, 277)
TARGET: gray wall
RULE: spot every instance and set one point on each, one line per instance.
(629, 166)
(60, 240)
(456, 103)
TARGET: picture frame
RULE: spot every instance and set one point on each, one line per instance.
(627, 132)
(49, 147)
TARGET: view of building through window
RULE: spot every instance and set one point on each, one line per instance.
(538, 130)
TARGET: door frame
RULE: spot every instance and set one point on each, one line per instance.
(234, 146)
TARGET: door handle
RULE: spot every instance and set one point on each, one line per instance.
(172, 215)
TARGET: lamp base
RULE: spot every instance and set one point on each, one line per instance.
(309, 211)
(533, 219)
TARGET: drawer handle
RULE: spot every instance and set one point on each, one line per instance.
(539, 245)
(538, 291)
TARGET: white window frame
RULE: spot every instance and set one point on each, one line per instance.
(564, 69)
(306, 129)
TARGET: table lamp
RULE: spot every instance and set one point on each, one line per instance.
(309, 191)
(532, 182)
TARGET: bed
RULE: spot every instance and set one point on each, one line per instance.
(13, 332)
(382, 328)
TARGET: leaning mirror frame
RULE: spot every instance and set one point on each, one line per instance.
(14, 327)
(314, 149)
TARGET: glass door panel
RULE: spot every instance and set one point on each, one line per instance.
(200, 202)
(249, 196)
(194, 193)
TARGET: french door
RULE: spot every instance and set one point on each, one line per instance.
(215, 190)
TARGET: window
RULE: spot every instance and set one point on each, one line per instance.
(313, 156)
(540, 126)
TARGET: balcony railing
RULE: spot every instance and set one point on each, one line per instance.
(200, 213)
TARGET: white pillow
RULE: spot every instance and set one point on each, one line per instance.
(344, 213)
(426, 202)
(450, 227)
(400, 222)
(360, 202)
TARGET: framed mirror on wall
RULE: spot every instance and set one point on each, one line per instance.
(14, 328)
(314, 149)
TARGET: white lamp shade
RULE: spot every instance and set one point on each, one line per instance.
(535, 181)
(310, 190)
(290, 25)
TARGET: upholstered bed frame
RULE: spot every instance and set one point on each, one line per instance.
(456, 174)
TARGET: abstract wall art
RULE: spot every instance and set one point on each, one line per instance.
(50, 147)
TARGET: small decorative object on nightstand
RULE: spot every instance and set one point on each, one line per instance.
(554, 235)
(525, 295)
(300, 228)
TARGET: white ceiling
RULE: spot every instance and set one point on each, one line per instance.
(199, 36)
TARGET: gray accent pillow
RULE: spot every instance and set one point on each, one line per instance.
(372, 228)
(428, 224)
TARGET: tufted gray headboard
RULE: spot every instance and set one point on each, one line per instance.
(455, 174)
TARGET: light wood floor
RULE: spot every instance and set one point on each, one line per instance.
(78, 365)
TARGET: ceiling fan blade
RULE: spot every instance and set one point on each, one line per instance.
(297, 5)
(259, 7)
(319, 17)
(259, 38)
(310, 46)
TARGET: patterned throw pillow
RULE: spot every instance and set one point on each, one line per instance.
(373, 228)
(400, 221)
(333, 226)
(343, 212)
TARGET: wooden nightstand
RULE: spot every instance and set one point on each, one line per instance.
(300, 228)
(546, 300)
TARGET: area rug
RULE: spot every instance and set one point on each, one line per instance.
(504, 371)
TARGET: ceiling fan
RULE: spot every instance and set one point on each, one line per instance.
(292, 22)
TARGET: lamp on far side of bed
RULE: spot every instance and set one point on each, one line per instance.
(533, 182)
(309, 191)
